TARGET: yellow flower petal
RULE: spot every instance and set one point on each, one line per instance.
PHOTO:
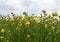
(2, 30)
(27, 23)
(28, 35)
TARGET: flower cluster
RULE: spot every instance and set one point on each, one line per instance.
(42, 28)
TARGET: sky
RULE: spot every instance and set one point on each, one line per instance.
(30, 6)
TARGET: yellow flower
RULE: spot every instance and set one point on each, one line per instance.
(1, 37)
(11, 20)
(2, 30)
(26, 17)
(19, 17)
(38, 21)
(33, 18)
(53, 27)
(55, 14)
(49, 16)
(28, 35)
(17, 28)
(19, 24)
(54, 22)
(27, 23)
(46, 25)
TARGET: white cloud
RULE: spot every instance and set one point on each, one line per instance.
(15, 3)
(32, 6)
(36, 3)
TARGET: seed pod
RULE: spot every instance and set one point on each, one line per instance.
(59, 16)
(25, 13)
(54, 14)
(43, 11)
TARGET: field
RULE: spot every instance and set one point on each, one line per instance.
(43, 28)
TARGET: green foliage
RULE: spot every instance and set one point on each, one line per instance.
(29, 29)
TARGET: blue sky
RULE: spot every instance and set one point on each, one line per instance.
(30, 6)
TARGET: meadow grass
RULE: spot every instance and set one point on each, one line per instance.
(43, 28)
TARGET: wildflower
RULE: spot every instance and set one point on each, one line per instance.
(55, 14)
(53, 27)
(7, 40)
(54, 22)
(11, 20)
(39, 16)
(27, 23)
(33, 17)
(26, 17)
(1, 37)
(59, 16)
(2, 30)
(46, 25)
(49, 16)
(28, 35)
(43, 11)
(19, 24)
(19, 17)
(17, 28)
(25, 13)
(37, 21)
(12, 13)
